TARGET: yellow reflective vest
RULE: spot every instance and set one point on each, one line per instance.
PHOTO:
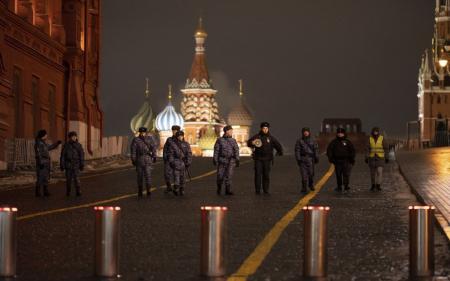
(376, 147)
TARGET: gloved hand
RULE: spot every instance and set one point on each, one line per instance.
(238, 163)
(81, 167)
(366, 160)
(316, 160)
(386, 160)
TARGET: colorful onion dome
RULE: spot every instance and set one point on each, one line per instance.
(144, 117)
(168, 117)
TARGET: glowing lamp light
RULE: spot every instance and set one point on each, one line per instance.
(101, 208)
(322, 208)
(8, 209)
(443, 62)
(421, 207)
(216, 208)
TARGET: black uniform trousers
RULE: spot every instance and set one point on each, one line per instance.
(343, 169)
(72, 175)
(262, 175)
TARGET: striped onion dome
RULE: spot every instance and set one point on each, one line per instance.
(168, 117)
(144, 117)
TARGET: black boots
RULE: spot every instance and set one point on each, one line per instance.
(304, 183)
(181, 192)
(347, 187)
(375, 187)
(140, 192)
(219, 188)
(168, 188)
(46, 193)
(149, 192)
(38, 190)
(339, 188)
(175, 190)
(228, 190)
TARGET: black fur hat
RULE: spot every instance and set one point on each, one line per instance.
(71, 134)
(227, 128)
(265, 124)
(142, 130)
(176, 128)
(41, 133)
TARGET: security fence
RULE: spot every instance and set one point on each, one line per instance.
(19, 153)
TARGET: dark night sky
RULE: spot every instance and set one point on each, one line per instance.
(301, 61)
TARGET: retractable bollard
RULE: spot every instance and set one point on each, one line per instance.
(213, 241)
(315, 242)
(107, 240)
(421, 242)
(8, 241)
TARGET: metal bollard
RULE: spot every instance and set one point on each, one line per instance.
(213, 239)
(421, 241)
(8, 241)
(107, 240)
(315, 261)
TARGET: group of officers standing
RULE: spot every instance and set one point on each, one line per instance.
(177, 158)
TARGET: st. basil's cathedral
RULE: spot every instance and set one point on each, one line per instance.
(200, 117)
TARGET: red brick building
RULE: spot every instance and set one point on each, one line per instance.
(49, 70)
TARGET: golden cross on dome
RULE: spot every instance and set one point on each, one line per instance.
(147, 91)
(241, 93)
(170, 92)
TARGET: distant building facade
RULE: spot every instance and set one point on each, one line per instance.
(434, 82)
(49, 70)
(353, 127)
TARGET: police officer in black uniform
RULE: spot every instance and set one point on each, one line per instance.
(341, 153)
(72, 161)
(263, 145)
(43, 161)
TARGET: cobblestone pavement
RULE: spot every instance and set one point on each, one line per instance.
(368, 231)
(428, 173)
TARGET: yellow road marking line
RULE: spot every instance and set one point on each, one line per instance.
(92, 204)
(252, 263)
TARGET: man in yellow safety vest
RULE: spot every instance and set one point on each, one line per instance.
(377, 153)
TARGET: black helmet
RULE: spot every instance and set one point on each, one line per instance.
(340, 130)
(142, 130)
